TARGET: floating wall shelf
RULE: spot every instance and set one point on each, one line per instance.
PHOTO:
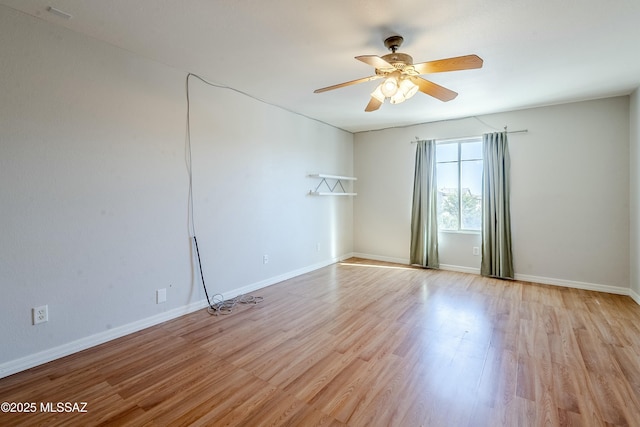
(332, 188)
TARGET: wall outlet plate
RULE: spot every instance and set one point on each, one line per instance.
(40, 314)
(161, 296)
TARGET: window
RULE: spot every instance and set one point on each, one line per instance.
(459, 170)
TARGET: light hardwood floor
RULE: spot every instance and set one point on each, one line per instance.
(363, 343)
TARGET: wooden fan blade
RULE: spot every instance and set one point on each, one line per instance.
(373, 105)
(435, 90)
(376, 61)
(352, 82)
(451, 64)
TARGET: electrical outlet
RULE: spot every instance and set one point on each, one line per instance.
(161, 296)
(265, 259)
(476, 251)
(40, 314)
(317, 247)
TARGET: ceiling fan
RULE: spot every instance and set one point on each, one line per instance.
(402, 77)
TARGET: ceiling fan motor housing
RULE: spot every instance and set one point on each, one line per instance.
(398, 60)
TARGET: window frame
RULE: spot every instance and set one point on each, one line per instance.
(458, 161)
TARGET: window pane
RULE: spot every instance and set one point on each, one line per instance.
(447, 152)
(471, 194)
(447, 195)
(471, 150)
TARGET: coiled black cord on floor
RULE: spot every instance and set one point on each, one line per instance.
(222, 306)
(218, 305)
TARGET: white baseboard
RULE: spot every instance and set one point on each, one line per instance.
(14, 366)
(574, 284)
(460, 269)
(286, 276)
(405, 261)
(523, 277)
(381, 258)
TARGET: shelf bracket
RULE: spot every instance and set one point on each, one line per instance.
(333, 189)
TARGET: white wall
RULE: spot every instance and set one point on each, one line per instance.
(250, 164)
(634, 195)
(93, 191)
(570, 193)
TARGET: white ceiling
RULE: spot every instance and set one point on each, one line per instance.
(536, 52)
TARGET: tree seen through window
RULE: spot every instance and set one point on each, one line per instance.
(459, 175)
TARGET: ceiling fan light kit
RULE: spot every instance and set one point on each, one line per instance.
(402, 77)
(389, 87)
(406, 90)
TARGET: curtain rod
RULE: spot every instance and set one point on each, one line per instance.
(471, 136)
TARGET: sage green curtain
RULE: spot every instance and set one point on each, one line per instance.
(497, 259)
(424, 214)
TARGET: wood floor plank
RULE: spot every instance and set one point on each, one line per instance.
(362, 343)
(308, 382)
(336, 397)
